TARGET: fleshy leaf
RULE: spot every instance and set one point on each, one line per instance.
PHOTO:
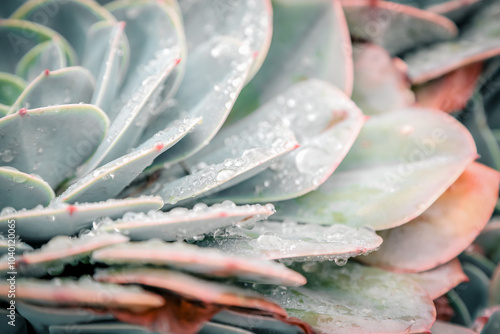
(478, 41)
(41, 224)
(11, 86)
(190, 287)
(127, 127)
(69, 85)
(20, 37)
(325, 123)
(80, 15)
(440, 280)
(181, 223)
(452, 91)
(41, 317)
(380, 82)
(441, 327)
(215, 73)
(399, 165)
(23, 191)
(51, 141)
(397, 28)
(298, 242)
(474, 293)
(107, 41)
(49, 55)
(457, 217)
(59, 251)
(357, 299)
(310, 40)
(204, 261)
(82, 292)
(254, 150)
(456, 10)
(109, 180)
(248, 21)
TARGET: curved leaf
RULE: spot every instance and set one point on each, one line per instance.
(11, 86)
(456, 217)
(190, 287)
(478, 41)
(59, 251)
(109, 180)
(440, 280)
(399, 165)
(71, 18)
(325, 123)
(182, 223)
(23, 191)
(310, 40)
(127, 127)
(106, 41)
(215, 73)
(248, 21)
(41, 224)
(51, 141)
(69, 85)
(298, 242)
(49, 55)
(204, 261)
(397, 28)
(82, 292)
(357, 299)
(380, 82)
(20, 37)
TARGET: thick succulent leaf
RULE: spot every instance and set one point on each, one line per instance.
(441, 327)
(298, 242)
(208, 262)
(51, 141)
(477, 259)
(325, 123)
(248, 21)
(23, 191)
(474, 293)
(49, 55)
(255, 323)
(20, 246)
(20, 37)
(446, 228)
(181, 223)
(396, 28)
(71, 18)
(357, 299)
(399, 165)
(109, 180)
(492, 325)
(440, 280)
(216, 72)
(310, 40)
(41, 224)
(52, 257)
(11, 86)
(460, 314)
(380, 82)
(253, 151)
(452, 91)
(478, 41)
(215, 328)
(82, 292)
(106, 41)
(456, 10)
(41, 317)
(69, 85)
(127, 127)
(190, 287)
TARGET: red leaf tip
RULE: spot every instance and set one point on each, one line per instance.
(22, 111)
(46, 72)
(159, 146)
(122, 24)
(71, 209)
(177, 61)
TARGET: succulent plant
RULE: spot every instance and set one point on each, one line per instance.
(210, 166)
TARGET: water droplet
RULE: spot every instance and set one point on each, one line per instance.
(225, 174)
(340, 261)
(7, 156)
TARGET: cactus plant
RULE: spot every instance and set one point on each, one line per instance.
(211, 166)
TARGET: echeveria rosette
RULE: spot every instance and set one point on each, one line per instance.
(112, 111)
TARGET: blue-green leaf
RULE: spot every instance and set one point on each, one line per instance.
(49, 55)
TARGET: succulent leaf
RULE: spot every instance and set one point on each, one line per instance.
(49, 55)
(11, 86)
